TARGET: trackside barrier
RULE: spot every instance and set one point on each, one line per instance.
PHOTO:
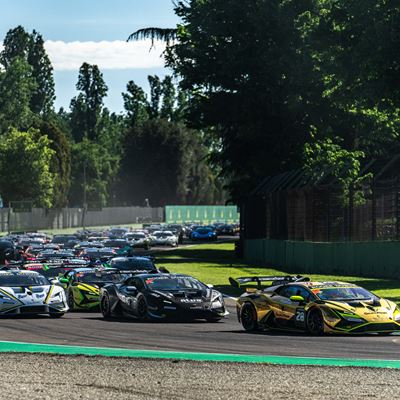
(201, 214)
(368, 259)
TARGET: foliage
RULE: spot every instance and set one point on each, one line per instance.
(18, 44)
(91, 169)
(25, 159)
(16, 88)
(87, 106)
(60, 163)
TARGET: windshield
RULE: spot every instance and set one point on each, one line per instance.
(344, 293)
(171, 284)
(203, 231)
(92, 277)
(142, 264)
(22, 280)
(137, 236)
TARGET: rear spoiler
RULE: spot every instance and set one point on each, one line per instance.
(237, 282)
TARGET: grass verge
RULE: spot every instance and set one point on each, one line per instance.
(215, 263)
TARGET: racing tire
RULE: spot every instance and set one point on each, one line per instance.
(56, 314)
(315, 322)
(248, 317)
(105, 306)
(141, 308)
(71, 301)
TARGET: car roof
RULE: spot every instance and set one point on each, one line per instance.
(18, 272)
(322, 284)
(139, 258)
(162, 275)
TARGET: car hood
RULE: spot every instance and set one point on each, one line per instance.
(378, 311)
(28, 295)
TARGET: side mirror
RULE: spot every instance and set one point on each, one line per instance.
(297, 299)
(132, 289)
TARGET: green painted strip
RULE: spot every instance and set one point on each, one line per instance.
(17, 347)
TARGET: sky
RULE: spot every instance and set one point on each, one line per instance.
(94, 31)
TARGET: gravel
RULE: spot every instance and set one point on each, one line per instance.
(39, 376)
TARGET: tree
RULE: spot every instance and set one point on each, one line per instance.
(25, 162)
(30, 48)
(169, 98)
(249, 76)
(87, 106)
(135, 103)
(42, 101)
(156, 91)
(92, 168)
(16, 88)
(60, 165)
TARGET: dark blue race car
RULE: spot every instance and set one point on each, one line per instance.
(204, 234)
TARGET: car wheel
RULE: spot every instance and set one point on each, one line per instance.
(248, 316)
(142, 307)
(71, 301)
(56, 314)
(105, 306)
(315, 322)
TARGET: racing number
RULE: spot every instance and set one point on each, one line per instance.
(300, 317)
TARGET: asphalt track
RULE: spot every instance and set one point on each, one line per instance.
(228, 337)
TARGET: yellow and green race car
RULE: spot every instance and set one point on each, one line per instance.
(82, 286)
(296, 304)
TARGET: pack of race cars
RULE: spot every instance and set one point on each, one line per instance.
(53, 276)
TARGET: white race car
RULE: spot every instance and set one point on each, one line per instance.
(164, 238)
(28, 292)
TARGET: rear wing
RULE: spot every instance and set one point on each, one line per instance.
(275, 280)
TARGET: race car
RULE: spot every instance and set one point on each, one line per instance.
(296, 304)
(82, 285)
(161, 238)
(27, 292)
(160, 297)
(203, 233)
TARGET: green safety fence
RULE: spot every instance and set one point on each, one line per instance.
(201, 214)
(368, 259)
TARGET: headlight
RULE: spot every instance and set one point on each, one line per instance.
(396, 314)
(216, 300)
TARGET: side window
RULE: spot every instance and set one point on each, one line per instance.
(303, 292)
(138, 283)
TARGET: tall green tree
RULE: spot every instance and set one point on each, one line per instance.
(25, 163)
(156, 91)
(30, 47)
(42, 101)
(60, 165)
(16, 88)
(135, 103)
(87, 106)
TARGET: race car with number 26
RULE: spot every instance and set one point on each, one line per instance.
(296, 304)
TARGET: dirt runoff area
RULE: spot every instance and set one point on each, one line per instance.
(37, 376)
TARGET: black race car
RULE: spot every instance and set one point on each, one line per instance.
(160, 297)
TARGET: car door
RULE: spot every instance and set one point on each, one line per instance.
(290, 313)
(127, 298)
